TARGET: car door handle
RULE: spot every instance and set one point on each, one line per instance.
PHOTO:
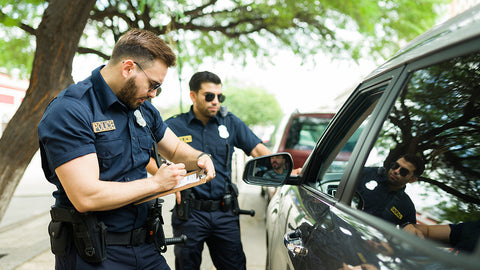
(293, 242)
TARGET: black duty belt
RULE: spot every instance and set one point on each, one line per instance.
(205, 205)
(131, 238)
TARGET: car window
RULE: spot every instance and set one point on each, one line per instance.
(304, 132)
(436, 117)
(347, 135)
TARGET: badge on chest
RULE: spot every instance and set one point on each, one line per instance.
(139, 117)
(223, 132)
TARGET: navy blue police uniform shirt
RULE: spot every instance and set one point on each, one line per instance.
(216, 141)
(393, 206)
(88, 118)
(464, 236)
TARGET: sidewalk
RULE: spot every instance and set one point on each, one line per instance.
(24, 242)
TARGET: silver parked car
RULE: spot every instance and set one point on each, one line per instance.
(424, 101)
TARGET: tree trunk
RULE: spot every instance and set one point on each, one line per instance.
(57, 39)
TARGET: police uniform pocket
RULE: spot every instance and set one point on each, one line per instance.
(109, 152)
(221, 151)
(146, 142)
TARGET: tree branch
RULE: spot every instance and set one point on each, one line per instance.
(27, 28)
(83, 50)
(464, 197)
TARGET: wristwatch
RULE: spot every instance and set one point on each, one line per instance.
(204, 154)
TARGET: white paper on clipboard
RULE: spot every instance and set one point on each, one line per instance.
(191, 179)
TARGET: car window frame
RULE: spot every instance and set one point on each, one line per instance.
(347, 187)
(328, 142)
(390, 98)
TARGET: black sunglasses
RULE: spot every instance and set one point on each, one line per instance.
(403, 171)
(154, 86)
(211, 96)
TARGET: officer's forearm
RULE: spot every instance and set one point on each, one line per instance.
(177, 151)
(187, 155)
(80, 179)
(260, 150)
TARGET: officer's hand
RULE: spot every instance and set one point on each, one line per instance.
(168, 176)
(296, 171)
(205, 162)
(410, 228)
(178, 195)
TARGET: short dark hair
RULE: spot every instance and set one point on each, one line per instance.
(417, 161)
(143, 46)
(202, 77)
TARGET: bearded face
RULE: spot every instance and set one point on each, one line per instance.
(128, 94)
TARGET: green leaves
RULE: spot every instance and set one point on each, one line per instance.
(254, 105)
(239, 29)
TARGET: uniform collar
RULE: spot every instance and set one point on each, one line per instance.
(191, 116)
(104, 93)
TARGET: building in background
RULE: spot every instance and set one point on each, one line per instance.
(12, 92)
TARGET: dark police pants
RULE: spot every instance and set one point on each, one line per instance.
(144, 256)
(220, 230)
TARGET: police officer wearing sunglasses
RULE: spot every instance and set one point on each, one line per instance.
(383, 189)
(96, 139)
(206, 213)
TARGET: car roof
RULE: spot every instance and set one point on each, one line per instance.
(459, 28)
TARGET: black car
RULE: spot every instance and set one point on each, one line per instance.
(425, 100)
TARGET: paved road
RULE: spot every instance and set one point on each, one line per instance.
(24, 243)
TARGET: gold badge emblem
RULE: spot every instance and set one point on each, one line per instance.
(397, 213)
(103, 126)
(186, 139)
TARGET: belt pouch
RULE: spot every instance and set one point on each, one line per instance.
(90, 238)
(60, 237)
(227, 202)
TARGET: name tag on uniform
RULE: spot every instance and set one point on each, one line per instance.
(396, 212)
(186, 139)
(103, 126)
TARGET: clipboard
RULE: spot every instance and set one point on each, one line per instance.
(191, 179)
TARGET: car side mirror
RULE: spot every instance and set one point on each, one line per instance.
(271, 170)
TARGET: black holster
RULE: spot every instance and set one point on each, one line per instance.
(183, 209)
(154, 226)
(233, 191)
(89, 235)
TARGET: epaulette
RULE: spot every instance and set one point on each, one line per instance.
(76, 90)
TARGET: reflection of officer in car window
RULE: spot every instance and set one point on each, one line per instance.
(383, 191)
(278, 171)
